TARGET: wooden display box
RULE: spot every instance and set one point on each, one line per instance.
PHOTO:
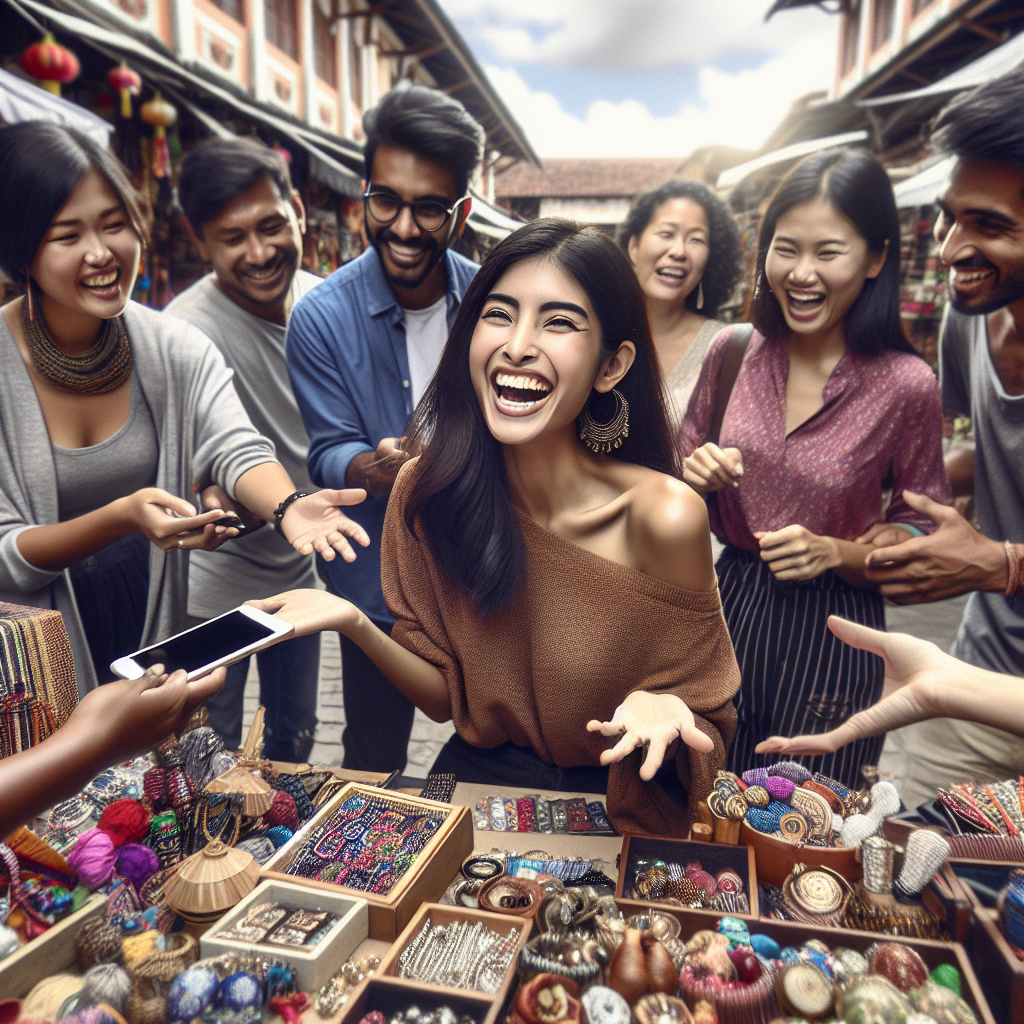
(425, 882)
(999, 971)
(442, 914)
(791, 933)
(776, 858)
(313, 966)
(391, 995)
(713, 856)
(51, 953)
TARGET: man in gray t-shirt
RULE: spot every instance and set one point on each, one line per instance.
(981, 231)
(246, 219)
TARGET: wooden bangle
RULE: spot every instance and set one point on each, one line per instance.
(1013, 581)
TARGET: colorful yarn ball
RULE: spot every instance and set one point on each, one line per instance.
(125, 821)
(279, 835)
(293, 786)
(137, 863)
(763, 820)
(106, 983)
(779, 787)
(93, 857)
(729, 881)
(755, 776)
(154, 785)
(792, 770)
(282, 811)
(757, 796)
(240, 992)
(191, 993)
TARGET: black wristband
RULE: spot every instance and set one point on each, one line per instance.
(285, 505)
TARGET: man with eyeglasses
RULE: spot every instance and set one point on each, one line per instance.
(362, 348)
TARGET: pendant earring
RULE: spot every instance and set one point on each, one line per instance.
(602, 438)
(28, 294)
(700, 295)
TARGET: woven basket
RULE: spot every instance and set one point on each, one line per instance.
(36, 660)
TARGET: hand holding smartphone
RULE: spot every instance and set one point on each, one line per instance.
(224, 640)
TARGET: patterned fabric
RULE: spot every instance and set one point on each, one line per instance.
(796, 676)
(879, 429)
(36, 660)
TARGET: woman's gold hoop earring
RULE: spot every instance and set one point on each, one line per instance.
(602, 438)
(28, 297)
(700, 295)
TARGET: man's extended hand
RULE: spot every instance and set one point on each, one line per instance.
(952, 560)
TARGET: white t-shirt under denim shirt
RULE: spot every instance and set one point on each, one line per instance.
(426, 331)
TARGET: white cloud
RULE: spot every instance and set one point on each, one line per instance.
(632, 34)
(734, 109)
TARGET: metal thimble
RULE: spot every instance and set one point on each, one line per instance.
(878, 856)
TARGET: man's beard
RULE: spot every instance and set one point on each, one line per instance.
(1008, 290)
(428, 242)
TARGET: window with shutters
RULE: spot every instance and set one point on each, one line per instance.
(282, 26)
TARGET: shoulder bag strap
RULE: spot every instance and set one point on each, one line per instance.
(741, 335)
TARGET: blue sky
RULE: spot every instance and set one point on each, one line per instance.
(646, 77)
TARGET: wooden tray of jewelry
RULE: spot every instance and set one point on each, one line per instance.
(401, 850)
(312, 930)
(392, 996)
(791, 933)
(418, 957)
(714, 859)
(51, 953)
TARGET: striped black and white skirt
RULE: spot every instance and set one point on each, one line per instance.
(796, 677)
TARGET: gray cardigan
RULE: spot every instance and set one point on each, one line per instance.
(205, 436)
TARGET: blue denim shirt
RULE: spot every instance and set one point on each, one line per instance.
(350, 371)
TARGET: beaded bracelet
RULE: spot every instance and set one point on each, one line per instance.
(1013, 574)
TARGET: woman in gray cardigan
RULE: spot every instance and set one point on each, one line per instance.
(111, 415)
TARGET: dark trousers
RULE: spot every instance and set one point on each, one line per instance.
(796, 677)
(378, 718)
(289, 679)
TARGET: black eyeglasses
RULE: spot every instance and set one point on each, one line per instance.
(430, 215)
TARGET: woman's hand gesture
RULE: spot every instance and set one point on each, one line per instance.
(170, 522)
(652, 720)
(711, 468)
(316, 523)
(794, 553)
(310, 611)
(914, 672)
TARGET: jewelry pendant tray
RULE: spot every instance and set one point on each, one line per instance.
(313, 965)
(425, 880)
(712, 856)
(393, 995)
(441, 914)
(789, 933)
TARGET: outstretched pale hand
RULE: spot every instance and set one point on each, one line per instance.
(914, 671)
(316, 523)
(310, 611)
(654, 720)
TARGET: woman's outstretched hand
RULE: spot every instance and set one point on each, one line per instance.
(655, 720)
(915, 671)
(316, 523)
(310, 611)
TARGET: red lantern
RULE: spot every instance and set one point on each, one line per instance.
(128, 83)
(51, 63)
(161, 114)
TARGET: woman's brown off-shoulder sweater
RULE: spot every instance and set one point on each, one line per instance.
(581, 633)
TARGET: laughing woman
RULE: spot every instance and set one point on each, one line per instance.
(832, 417)
(551, 580)
(110, 412)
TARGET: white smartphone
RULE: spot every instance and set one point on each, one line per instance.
(221, 641)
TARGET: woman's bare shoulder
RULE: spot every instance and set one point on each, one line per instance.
(668, 522)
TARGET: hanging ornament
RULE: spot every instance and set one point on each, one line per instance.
(51, 63)
(161, 114)
(128, 83)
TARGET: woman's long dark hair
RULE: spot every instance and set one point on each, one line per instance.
(858, 187)
(725, 263)
(461, 491)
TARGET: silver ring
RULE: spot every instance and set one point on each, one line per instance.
(181, 543)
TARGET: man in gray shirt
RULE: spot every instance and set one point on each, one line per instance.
(981, 230)
(246, 219)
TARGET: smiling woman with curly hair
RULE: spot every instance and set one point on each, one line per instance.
(685, 249)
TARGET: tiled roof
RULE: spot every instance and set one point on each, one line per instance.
(585, 178)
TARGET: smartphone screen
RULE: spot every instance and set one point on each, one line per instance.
(216, 639)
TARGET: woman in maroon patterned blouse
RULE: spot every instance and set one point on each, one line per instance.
(832, 418)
